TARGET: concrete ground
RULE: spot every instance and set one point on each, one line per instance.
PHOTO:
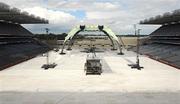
(28, 83)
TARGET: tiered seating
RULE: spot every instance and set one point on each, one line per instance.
(164, 45)
(17, 45)
(13, 54)
(13, 29)
(167, 34)
(15, 40)
(14, 34)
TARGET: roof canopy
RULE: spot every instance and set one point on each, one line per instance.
(15, 15)
(167, 18)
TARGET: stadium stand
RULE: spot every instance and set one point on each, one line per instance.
(164, 43)
(17, 43)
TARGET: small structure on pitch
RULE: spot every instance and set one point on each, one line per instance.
(93, 64)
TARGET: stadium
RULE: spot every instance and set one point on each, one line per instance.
(90, 64)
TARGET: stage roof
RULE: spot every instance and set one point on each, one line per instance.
(167, 18)
(15, 15)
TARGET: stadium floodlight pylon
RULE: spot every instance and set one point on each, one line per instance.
(48, 65)
(137, 65)
(92, 28)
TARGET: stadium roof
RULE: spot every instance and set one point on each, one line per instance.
(15, 15)
(167, 18)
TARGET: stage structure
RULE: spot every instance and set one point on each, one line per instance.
(93, 28)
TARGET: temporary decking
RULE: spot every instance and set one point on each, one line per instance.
(28, 83)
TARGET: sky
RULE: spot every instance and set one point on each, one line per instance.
(119, 15)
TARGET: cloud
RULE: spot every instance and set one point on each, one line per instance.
(54, 17)
(23, 3)
(120, 16)
(105, 5)
(59, 21)
(87, 5)
(107, 14)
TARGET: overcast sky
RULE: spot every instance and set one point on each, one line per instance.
(119, 15)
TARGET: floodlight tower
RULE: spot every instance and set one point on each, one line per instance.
(47, 59)
(138, 47)
(137, 66)
(135, 30)
(48, 65)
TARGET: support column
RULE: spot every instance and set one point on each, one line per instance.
(62, 50)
